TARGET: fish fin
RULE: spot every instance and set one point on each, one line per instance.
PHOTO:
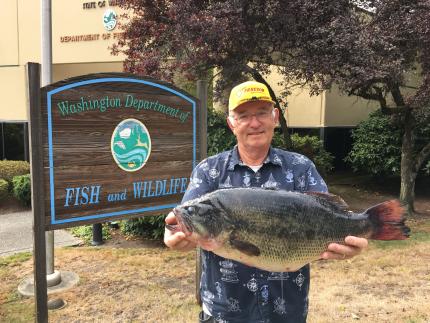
(333, 199)
(243, 246)
(388, 221)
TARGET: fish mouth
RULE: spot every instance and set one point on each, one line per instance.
(184, 223)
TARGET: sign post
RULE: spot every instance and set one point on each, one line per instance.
(106, 147)
(38, 192)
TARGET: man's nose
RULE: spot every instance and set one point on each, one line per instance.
(254, 121)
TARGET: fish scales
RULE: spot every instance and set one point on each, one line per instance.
(278, 230)
(296, 230)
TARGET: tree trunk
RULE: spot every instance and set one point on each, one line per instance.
(408, 170)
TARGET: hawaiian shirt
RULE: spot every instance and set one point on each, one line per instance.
(231, 291)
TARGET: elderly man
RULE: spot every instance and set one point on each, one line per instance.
(232, 291)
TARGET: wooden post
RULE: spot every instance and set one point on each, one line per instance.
(202, 94)
(37, 192)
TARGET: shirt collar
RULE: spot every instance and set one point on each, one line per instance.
(272, 158)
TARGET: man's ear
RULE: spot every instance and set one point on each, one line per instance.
(230, 124)
(276, 115)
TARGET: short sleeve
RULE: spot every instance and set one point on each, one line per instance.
(199, 183)
(314, 181)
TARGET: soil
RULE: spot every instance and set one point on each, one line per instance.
(12, 205)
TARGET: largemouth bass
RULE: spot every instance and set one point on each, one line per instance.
(277, 230)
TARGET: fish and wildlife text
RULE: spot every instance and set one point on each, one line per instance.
(93, 194)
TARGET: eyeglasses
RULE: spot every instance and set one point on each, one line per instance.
(261, 116)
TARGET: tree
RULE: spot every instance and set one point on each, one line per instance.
(381, 54)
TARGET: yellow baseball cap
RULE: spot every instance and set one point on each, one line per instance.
(248, 91)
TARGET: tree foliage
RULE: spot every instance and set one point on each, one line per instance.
(381, 55)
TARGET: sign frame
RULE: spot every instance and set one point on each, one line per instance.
(99, 81)
(121, 78)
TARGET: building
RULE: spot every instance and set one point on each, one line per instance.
(83, 31)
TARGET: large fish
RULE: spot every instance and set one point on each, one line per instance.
(277, 230)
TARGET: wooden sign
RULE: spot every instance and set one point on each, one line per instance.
(115, 146)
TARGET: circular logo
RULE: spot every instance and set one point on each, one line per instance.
(130, 145)
(109, 19)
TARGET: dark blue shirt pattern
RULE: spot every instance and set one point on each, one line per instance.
(231, 291)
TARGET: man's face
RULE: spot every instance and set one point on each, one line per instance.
(253, 123)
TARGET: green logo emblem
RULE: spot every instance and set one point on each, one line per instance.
(109, 19)
(130, 145)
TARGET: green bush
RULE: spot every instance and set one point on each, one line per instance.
(85, 232)
(376, 146)
(220, 137)
(151, 226)
(310, 146)
(22, 188)
(4, 189)
(427, 168)
(11, 168)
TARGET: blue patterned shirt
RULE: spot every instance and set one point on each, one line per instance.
(231, 291)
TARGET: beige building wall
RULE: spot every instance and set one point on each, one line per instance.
(303, 110)
(346, 111)
(29, 31)
(78, 34)
(80, 45)
(9, 38)
(64, 71)
(13, 106)
(329, 109)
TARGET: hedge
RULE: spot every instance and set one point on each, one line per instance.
(11, 168)
(4, 189)
(22, 188)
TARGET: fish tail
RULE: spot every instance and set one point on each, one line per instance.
(388, 221)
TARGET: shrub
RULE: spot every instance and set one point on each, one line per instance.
(220, 137)
(150, 226)
(85, 232)
(310, 146)
(11, 168)
(427, 168)
(22, 188)
(4, 189)
(376, 146)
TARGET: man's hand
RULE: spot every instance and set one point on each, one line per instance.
(353, 246)
(176, 240)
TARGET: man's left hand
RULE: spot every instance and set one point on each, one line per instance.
(353, 246)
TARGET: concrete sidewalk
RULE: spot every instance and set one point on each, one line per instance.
(16, 234)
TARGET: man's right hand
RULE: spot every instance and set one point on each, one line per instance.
(176, 240)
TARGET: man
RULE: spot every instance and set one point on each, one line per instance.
(232, 291)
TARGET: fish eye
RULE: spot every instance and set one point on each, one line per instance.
(191, 209)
